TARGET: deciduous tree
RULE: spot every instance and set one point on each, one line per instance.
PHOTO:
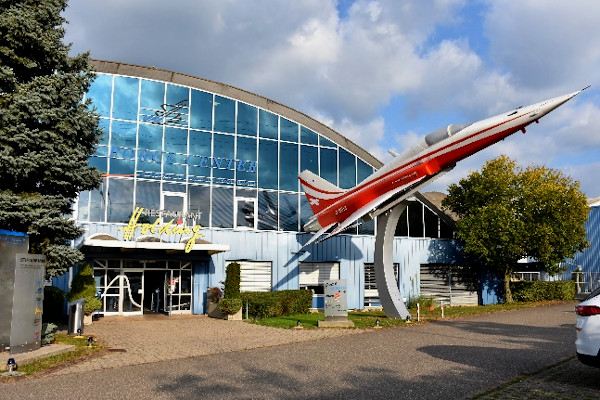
(47, 133)
(507, 213)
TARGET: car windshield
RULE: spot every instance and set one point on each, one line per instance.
(593, 294)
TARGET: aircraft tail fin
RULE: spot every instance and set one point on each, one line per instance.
(319, 192)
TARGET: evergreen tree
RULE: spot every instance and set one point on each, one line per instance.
(507, 213)
(47, 133)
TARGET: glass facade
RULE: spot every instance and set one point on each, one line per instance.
(222, 155)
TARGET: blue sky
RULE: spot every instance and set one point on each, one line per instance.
(382, 73)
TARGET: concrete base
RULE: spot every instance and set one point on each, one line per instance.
(336, 324)
(42, 352)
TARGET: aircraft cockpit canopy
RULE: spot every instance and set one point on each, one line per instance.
(443, 133)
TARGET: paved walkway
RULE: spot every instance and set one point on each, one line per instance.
(156, 337)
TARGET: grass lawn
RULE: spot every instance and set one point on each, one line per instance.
(367, 319)
(81, 351)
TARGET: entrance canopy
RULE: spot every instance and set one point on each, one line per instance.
(107, 241)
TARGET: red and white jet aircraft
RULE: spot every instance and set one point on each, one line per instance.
(437, 153)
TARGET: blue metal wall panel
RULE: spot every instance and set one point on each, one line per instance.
(589, 259)
(282, 250)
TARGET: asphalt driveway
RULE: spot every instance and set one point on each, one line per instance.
(453, 359)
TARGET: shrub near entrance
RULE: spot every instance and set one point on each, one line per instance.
(278, 303)
(543, 291)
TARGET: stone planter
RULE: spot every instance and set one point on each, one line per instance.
(214, 312)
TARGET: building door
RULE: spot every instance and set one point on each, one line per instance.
(173, 206)
(245, 213)
(121, 290)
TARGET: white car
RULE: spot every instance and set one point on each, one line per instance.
(588, 329)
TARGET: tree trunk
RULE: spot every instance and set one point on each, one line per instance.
(507, 294)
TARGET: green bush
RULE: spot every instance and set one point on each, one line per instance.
(83, 286)
(423, 301)
(542, 291)
(230, 306)
(278, 303)
(232, 281)
(53, 305)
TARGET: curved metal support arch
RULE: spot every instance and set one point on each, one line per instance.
(387, 286)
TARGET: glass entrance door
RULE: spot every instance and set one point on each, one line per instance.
(121, 290)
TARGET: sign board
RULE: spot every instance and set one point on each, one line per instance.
(336, 299)
(28, 298)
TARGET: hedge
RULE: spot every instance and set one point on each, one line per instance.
(278, 303)
(542, 291)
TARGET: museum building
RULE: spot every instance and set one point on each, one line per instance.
(198, 174)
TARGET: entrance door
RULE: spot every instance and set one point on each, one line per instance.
(174, 206)
(122, 291)
(245, 213)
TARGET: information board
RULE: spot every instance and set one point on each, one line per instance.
(28, 298)
(336, 298)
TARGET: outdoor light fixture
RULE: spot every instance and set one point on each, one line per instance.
(90, 341)
(298, 323)
(11, 365)
(377, 322)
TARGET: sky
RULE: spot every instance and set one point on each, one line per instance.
(382, 73)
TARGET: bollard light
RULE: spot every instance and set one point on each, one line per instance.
(11, 365)
(377, 322)
(407, 318)
(90, 341)
(298, 323)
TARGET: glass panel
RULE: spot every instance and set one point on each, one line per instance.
(415, 219)
(147, 195)
(222, 208)
(288, 131)
(132, 292)
(446, 231)
(223, 159)
(173, 208)
(99, 163)
(120, 200)
(201, 110)
(176, 140)
(123, 134)
(125, 98)
(245, 215)
(247, 119)
(288, 212)
(267, 164)
(402, 227)
(309, 159)
(431, 224)
(150, 137)
(326, 142)
(199, 203)
(99, 92)
(83, 207)
(267, 210)
(367, 228)
(224, 114)
(305, 211)
(268, 125)
(178, 95)
(246, 161)
(112, 292)
(308, 137)
(329, 165)
(97, 203)
(364, 170)
(288, 167)
(151, 101)
(104, 125)
(347, 169)
(199, 160)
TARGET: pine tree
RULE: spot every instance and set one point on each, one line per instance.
(47, 133)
